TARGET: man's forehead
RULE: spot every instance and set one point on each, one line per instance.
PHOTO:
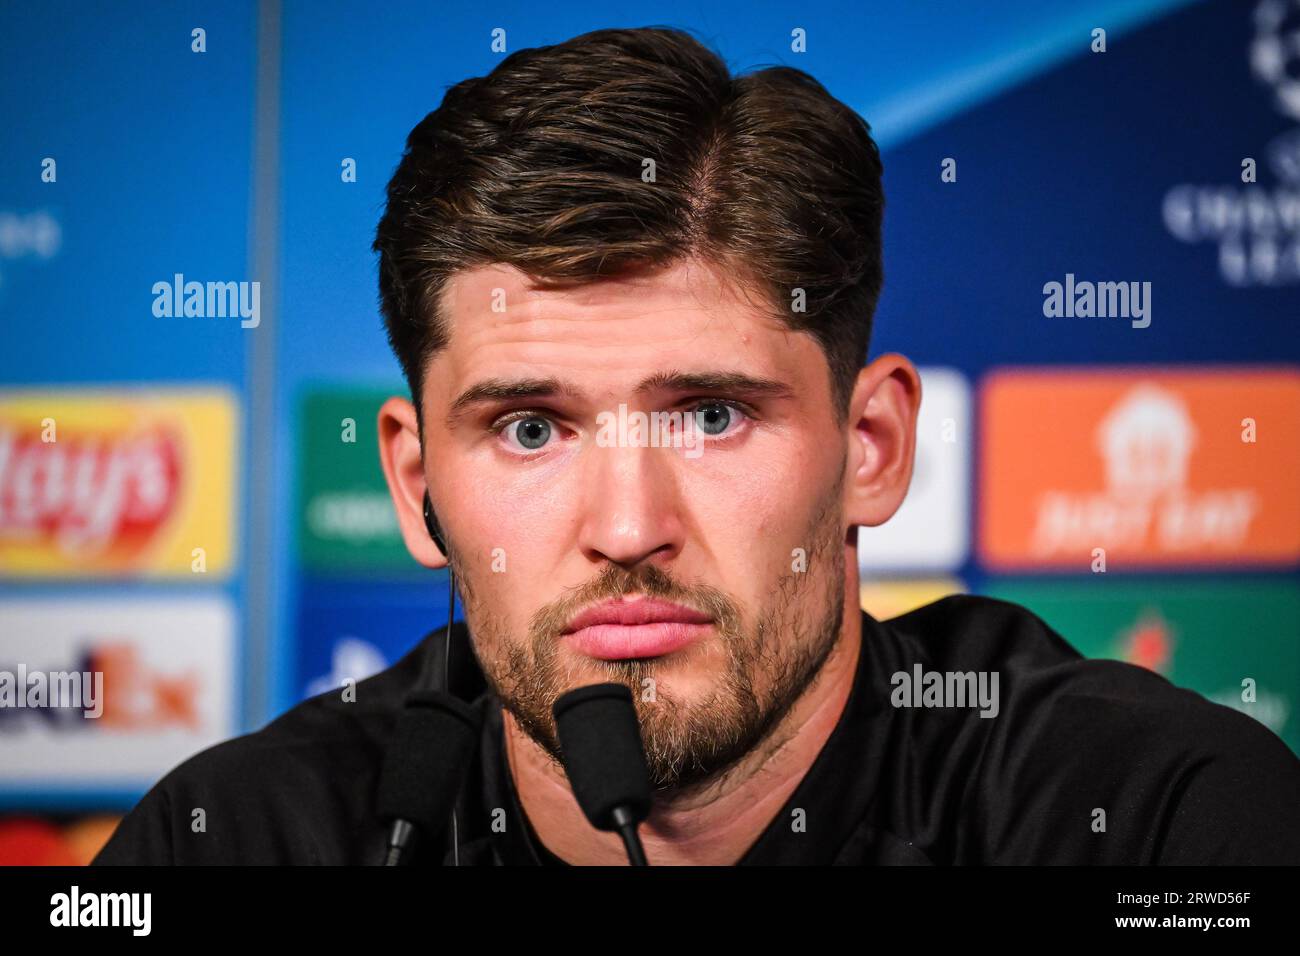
(608, 338)
(479, 303)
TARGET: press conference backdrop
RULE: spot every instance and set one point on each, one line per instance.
(192, 506)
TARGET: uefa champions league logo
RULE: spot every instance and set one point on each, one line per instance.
(1275, 52)
(1275, 61)
(1256, 225)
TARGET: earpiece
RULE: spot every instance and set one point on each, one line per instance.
(431, 523)
(441, 682)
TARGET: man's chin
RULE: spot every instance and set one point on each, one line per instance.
(692, 722)
(683, 678)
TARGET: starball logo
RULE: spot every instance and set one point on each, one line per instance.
(1255, 225)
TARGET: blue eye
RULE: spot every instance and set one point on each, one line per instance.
(529, 433)
(712, 418)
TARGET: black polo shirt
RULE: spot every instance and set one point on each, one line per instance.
(1085, 762)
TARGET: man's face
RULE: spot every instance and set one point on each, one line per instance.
(715, 569)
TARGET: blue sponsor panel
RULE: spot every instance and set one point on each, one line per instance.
(354, 628)
(1125, 167)
(126, 161)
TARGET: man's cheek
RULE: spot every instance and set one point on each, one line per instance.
(496, 569)
(766, 550)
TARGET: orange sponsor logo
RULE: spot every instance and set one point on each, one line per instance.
(136, 697)
(1152, 467)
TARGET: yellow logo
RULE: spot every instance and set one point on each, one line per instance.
(117, 482)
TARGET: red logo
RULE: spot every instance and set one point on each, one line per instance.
(87, 495)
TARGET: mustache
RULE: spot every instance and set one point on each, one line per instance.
(616, 582)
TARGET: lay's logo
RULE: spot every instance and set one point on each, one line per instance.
(1152, 467)
(116, 482)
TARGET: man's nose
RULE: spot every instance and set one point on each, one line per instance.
(631, 507)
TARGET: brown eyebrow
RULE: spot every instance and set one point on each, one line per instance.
(499, 389)
(714, 382)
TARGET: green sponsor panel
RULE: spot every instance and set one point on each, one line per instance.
(1206, 635)
(346, 521)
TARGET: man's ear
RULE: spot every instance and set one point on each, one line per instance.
(882, 439)
(399, 453)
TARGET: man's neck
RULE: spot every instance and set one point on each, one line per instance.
(714, 825)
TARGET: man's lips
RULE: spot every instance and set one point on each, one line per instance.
(621, 629)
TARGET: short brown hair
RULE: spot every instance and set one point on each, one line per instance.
(539, 165)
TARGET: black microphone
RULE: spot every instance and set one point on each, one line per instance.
(432, 746)
(600, 744)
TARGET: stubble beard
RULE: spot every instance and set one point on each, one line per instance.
(688, 744)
